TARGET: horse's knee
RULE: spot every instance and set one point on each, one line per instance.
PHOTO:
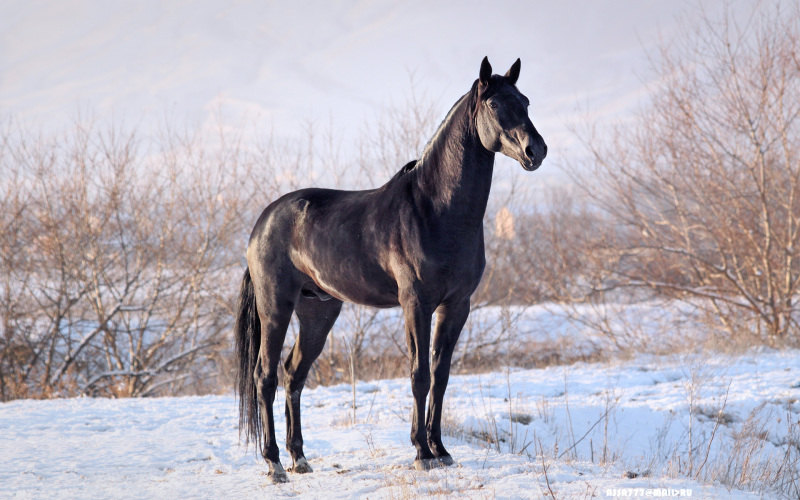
(440, 369)
(420, 382)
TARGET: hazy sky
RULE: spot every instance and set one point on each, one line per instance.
(282, 64)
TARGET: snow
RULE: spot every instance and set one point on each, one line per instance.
(271, 65)
(189, 448)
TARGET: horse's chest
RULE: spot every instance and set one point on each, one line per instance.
(454, 266)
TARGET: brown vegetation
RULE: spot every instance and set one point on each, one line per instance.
(701, 196)
(119, 256)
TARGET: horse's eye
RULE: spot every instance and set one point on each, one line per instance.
(492, 104)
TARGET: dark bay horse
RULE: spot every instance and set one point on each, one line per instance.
(416, 242)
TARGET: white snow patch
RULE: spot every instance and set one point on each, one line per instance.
(189, 448)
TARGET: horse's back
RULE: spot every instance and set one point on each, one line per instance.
(328, 237)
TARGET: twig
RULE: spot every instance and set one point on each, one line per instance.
(569, 416)
(544, 470)
(83, 343)
(714, 431)
(586, 433)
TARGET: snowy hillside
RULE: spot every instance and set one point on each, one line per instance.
(282, 65)
(584, 429)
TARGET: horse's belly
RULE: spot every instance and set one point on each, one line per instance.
(376, 293)
(352, 281)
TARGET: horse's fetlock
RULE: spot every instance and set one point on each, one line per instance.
(294, 443)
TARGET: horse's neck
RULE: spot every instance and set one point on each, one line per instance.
(455, 170)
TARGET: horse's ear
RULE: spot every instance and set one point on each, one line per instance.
(513, 72)
(486, 71)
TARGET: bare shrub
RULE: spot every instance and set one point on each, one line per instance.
(122, 259)
(704, 190)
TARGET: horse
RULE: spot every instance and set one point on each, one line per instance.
(416, 242)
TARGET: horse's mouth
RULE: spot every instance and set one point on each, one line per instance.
(531, 164)
(530, 157)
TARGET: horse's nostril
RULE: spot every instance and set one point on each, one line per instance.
(529, 152)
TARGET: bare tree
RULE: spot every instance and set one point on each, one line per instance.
(704, 190)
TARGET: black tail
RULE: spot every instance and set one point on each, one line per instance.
(248, 342)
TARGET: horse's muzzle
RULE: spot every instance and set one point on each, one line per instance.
(534, 156)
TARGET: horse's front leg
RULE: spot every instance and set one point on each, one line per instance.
(450, 319)
(418, 331)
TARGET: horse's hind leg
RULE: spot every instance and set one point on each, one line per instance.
(316, 318)
(275, 306)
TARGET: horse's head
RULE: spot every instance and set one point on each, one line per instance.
(501, 118)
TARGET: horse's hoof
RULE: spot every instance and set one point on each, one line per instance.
(277, 474)
(301, 467)
(446, 460)
(279, 478)
(427, 463)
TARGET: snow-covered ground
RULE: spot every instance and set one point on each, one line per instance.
(582, 428)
